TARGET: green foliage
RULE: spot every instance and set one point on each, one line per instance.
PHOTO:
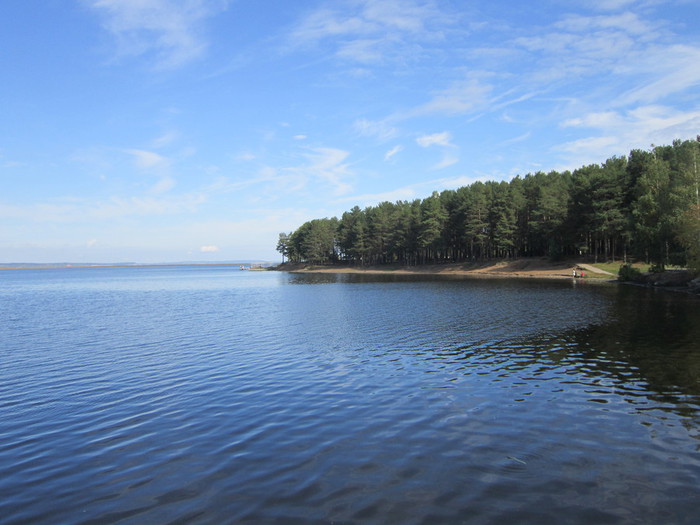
(657, 268)
(689, 235)
(283, 245)
(629, 273)
(314, 242)
(635, 205)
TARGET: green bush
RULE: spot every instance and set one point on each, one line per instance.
(657, 268)
(627, 272)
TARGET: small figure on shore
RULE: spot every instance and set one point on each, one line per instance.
(574, 271)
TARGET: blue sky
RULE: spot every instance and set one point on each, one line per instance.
(157, 130)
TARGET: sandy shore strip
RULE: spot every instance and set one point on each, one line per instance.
(541, 268)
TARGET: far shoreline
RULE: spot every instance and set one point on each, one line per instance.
(70, 266)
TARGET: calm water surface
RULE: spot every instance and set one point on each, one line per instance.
(210, 395)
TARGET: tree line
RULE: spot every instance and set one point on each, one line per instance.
(645, 206)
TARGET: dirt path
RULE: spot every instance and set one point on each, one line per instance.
(593, 269)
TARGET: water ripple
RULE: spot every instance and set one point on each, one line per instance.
(215, 396)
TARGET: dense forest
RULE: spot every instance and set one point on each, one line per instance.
(645, 206)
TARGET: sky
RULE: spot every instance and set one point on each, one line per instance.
(198, 130)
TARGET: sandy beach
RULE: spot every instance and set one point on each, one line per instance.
(540, 268)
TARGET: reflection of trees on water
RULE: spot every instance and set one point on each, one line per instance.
(649, 348)
(313, 278)
(355, 278)
(642, 345)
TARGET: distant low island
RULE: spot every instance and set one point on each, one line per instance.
(247, 264)
(642, 208)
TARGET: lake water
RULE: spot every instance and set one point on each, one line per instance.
(211, 395)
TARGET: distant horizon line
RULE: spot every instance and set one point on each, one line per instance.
(117, 264)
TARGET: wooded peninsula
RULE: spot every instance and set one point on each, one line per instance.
(644, 206)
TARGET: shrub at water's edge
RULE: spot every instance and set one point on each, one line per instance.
(629, 273)
(689, 234)
(681, 279)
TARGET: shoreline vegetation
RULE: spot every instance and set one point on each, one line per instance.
(522, 268)
(641, 207)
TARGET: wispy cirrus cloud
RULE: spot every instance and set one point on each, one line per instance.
(614, 131)
(444, 141)
(435, 139)
(615, 47)
(167, 32)
(154, 163)
(393, 151)
(323, 168)
(164, 139)
(627, 22)
(413, 191)
(71, 210)
(327, 165)
(370, 31)
(460, 97)
(668, 70)
(610, 5)
(370, 199)
(617, 80)
(382, 130)
(148, 160)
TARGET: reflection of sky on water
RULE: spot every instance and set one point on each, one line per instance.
(253, 396)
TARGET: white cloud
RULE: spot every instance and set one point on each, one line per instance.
(364, 17)
(594, 120)
(153, 162)
(370, 199)
(164, 184)
(62, 211)
(648, 123)
(577, 47)
(627, 22)
(413, 191)
(610, 5)
(393, 151)
(322, 169)
(328, 165)
(379, 129)
(448, 159)
(369, 31)
(443, 140)
(148, 160)
(616, 133)
(461, 97)
(210, 248)
(453, 183)
(670, 70)
(515, 140)
(364, 50)
(436, 139)
(590, 145)
(166, 30)
(165, 139)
